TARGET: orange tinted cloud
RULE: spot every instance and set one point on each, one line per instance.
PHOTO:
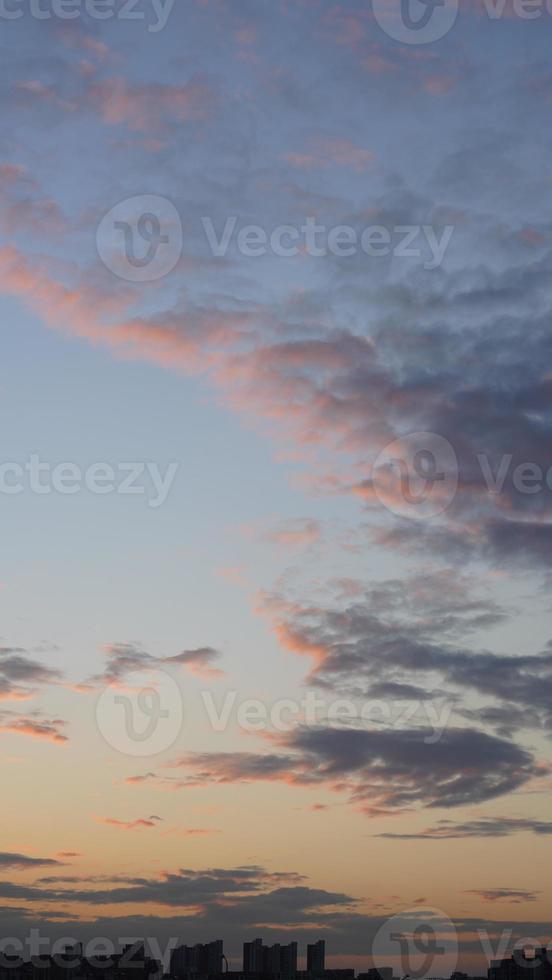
(143, 823)
(325, 151)
(47, 730)
(198, 662)
(145, 107)
(191, 832)
(295, 533)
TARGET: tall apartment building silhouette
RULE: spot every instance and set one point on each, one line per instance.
(203, 959)
(316, 957)
(275, 960)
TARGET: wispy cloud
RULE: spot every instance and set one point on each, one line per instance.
(142, 823)
(392, 770)
(23, 861)
(480, 827)
(509, 895)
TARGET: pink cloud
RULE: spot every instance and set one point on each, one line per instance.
(33, 91)
(295, 533)
(48, 730)
(324, 152)
(191, 832)
(199, 662)
(517, 896)
(439, 84)
(140, 824)
(74, 37)
(246, 36)
(146, 107)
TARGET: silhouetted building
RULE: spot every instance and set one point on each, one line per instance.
(253, 956)
(203, 959)
(337, 974)
(377, 973)
(70, 964)
(522, 967)
(275, 961)
(316, 957)
(288, 960)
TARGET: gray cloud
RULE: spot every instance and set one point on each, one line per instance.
(509, 895)
(481, 827)
(124, 659)
(406, 640)
(23, 861)
(20, 675)
(380, 770)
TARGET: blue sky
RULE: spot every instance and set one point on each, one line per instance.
(300, 549)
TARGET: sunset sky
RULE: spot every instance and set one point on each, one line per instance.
(203, 523)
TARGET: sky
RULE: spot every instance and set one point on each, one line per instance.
(276, 472)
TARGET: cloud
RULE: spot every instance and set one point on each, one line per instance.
(406, 640)
(233, 902)
(192, 832)
(34, 726)
(150, 107)
(198, 662)
(345, 393)
(481, 827)
(24, 208)
(124, 659)
(20, 675)
(510, 895)
(338, 358)
(392, 770)
(23, 861)
(140, 824)
(324, 152)
(243, 891)
(143, 778)
(338, 385)
(295, 533)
